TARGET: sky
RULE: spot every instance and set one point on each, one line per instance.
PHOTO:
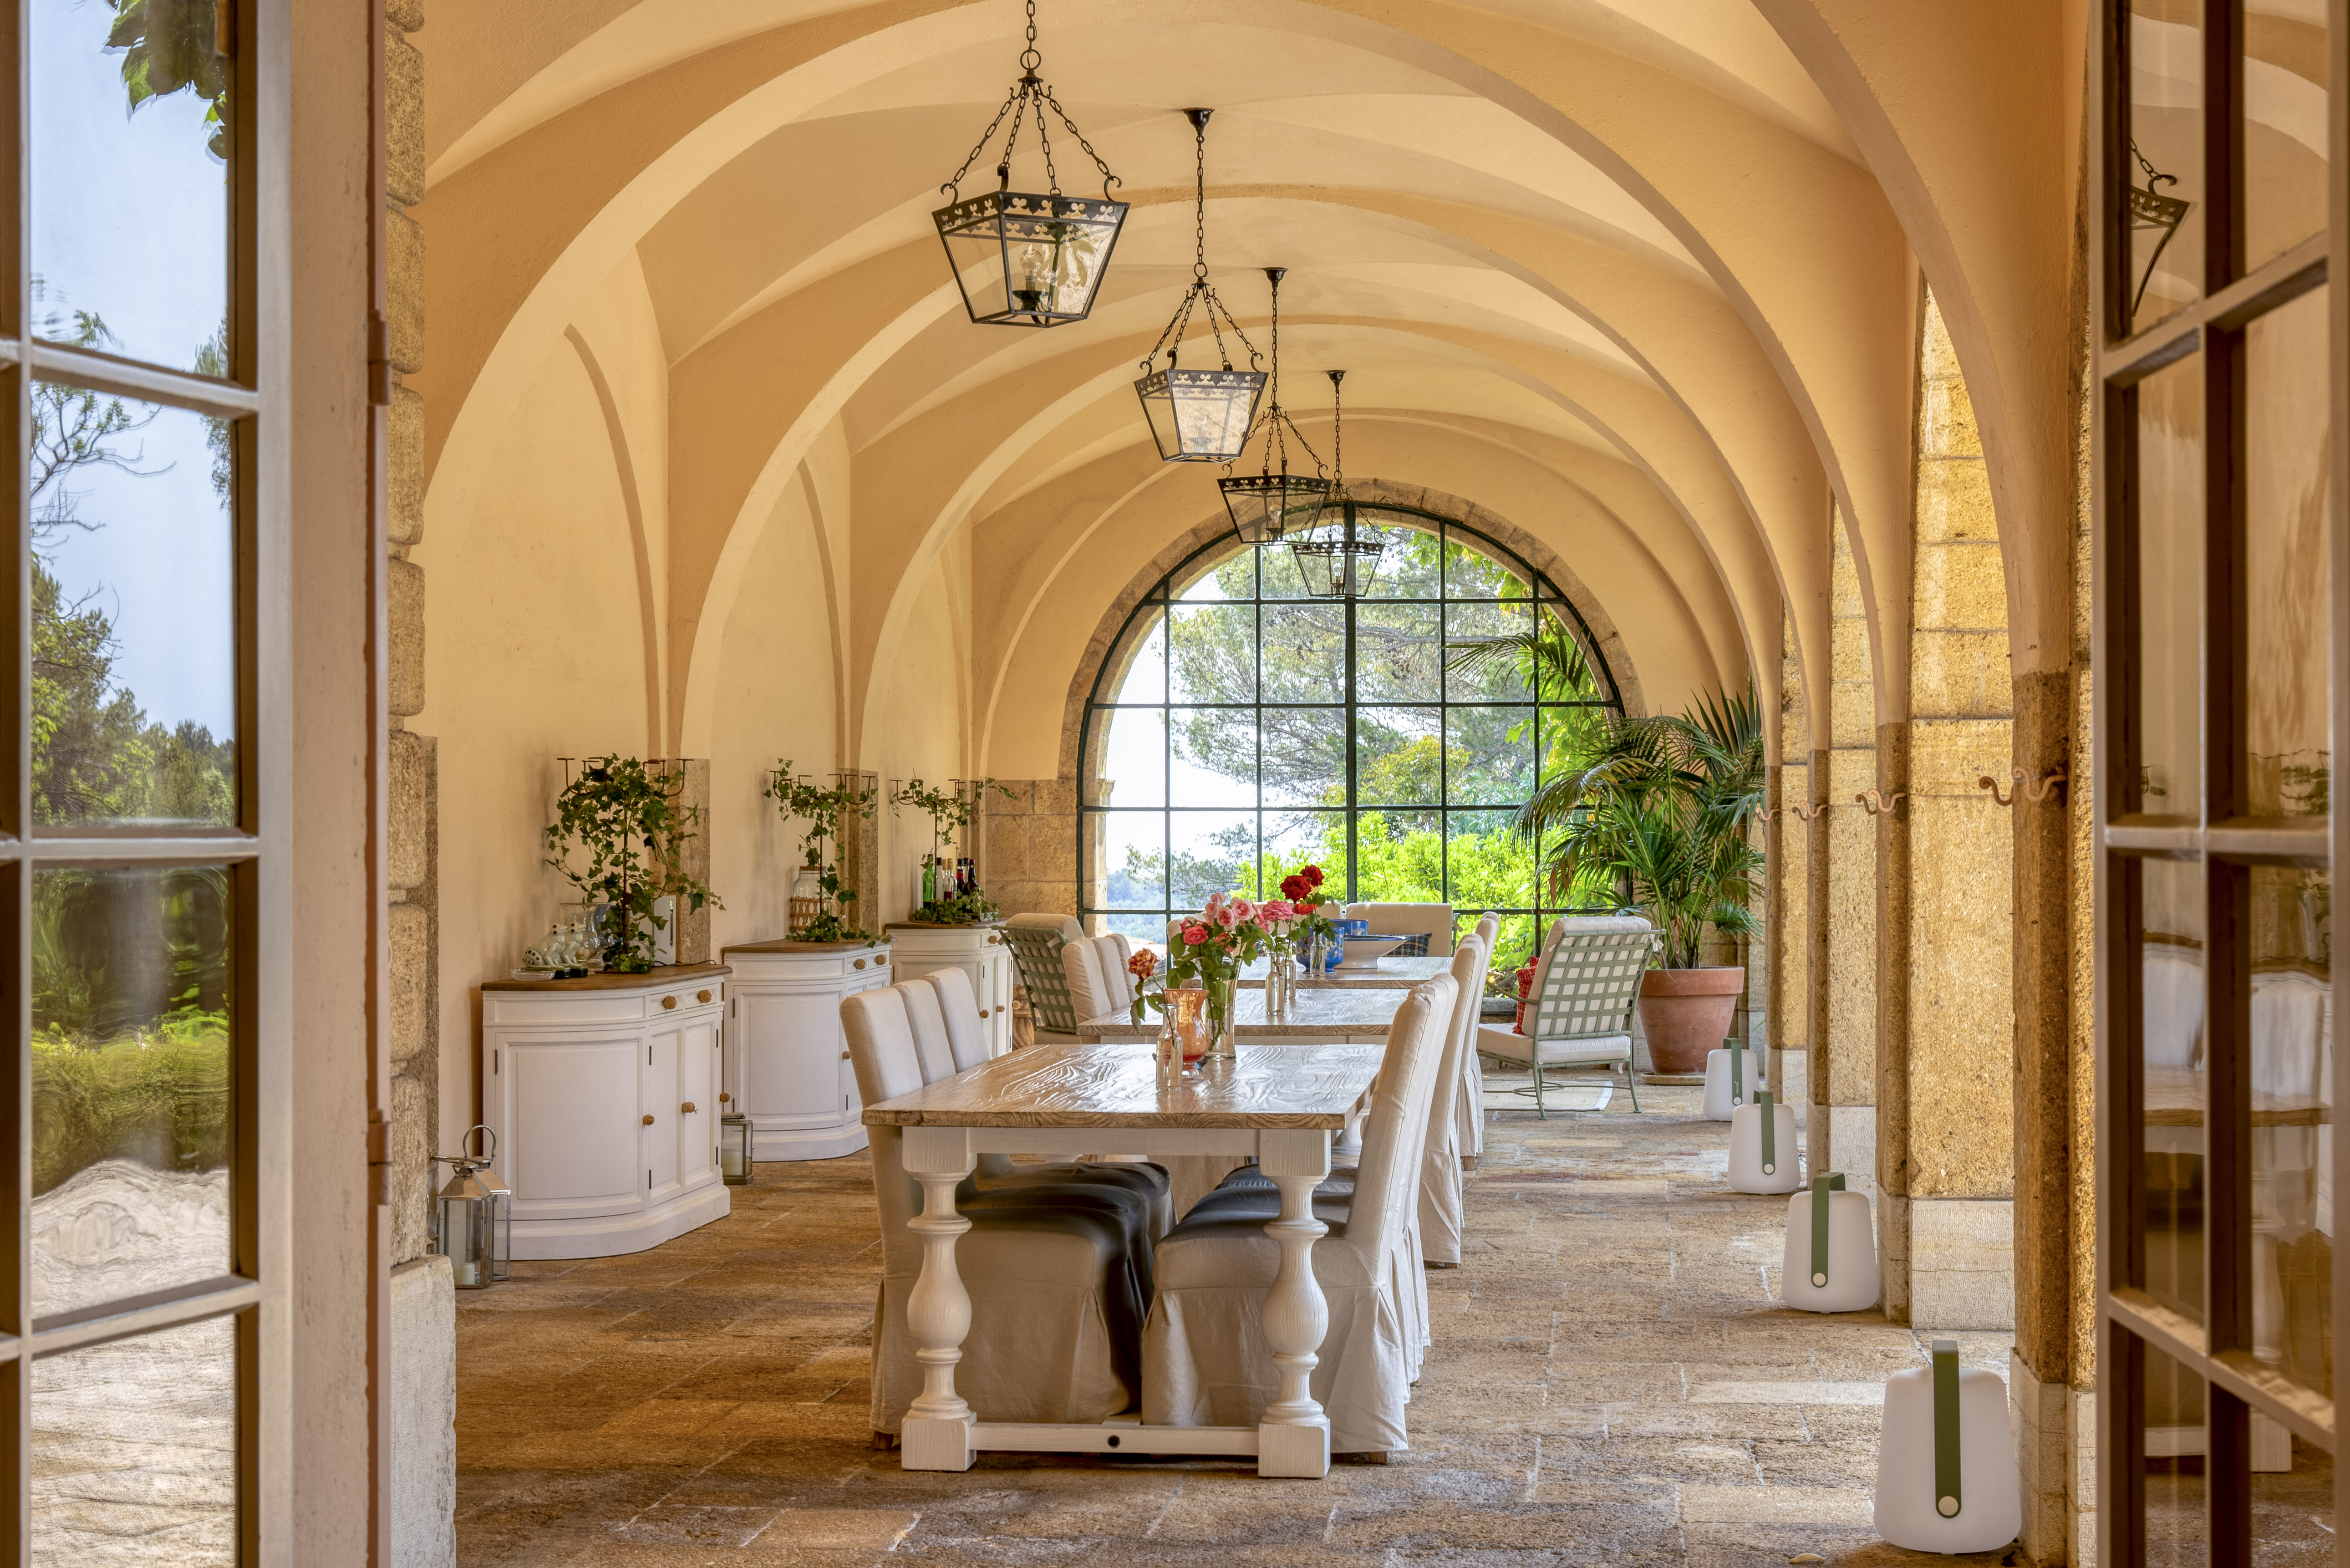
(130, 221)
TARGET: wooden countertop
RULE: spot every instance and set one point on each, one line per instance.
(671, 976)
(943, 926)
(1116, 1086)
(787, 945)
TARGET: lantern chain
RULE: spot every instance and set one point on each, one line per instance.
(1201, 292)
(1030, 87)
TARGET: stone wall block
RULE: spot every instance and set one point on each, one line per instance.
(410, 930)
(1057, 797)
(415, 1122)
(1961, 585)
(424, 1388)
(1961, 1264)
(1949, 421)
(1961, 1014)
(1053, 849)
(1959, 675)
(407, 16)
(405, 479)
(693, 925)
(403, 119)
(1946, 757)
(407, 293)
(407, 607)
(1008, 849)
(414, 759)
(1954, 503)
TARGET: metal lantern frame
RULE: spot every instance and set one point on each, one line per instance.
(1200, 416)
(1047, 253)
(2150, 209)
(737, 1139)
(1261, 504)
(1340, 564)
(471, 1222)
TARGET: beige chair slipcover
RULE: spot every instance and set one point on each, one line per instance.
(2292, 1193)
(1036, 943)
(935, 1022)
(1053, 1282)
(1205, 1360)
(1580, 1013)
(1432, 920)
(1470, 1111)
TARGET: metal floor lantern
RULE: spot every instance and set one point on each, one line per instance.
(472, 1217)
(1266, 505)
(1200, 416)
(1334, 560)
(1023, 259)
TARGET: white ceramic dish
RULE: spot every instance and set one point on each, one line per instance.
(1365, 953)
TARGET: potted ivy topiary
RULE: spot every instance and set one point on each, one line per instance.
(818, 919)
(627, 819)
(951, 894)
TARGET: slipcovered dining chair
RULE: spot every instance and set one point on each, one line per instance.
(940, 1006)
(1037, 942)
(2291, 1199)
(1470, 1110)
(1581, 1010)
(1429, 927)
(1057, 1290)
(1205, 1360)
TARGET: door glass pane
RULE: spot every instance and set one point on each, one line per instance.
(1395, 757)
(2292, 1138)
(2293, 1499)
(1213, 649)
(1215, 852)
(2163, 208)
(1399, 857)
(134, 613)
(2172, 899)
(2170, 522)
(1128, 859)
(1398, 653)
(1213, 762)
(130, 190)
(1129, 765)
(130, 1081)
(2176, 1492)
(134, 1451)
(2286, 528)
(2285, 52)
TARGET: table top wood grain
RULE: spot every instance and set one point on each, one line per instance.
(1115, 1084)
(1318, 1014)
(1392, 974)
(2176, 1097)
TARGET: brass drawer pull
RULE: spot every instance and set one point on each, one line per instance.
(648, 1118)
(687, 1108)
(844, 1056)
(669, 1001)
(860, 963)
(725, 1098)
(701, 996)
(880, 961)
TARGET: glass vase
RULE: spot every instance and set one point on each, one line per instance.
(1182, 1032)
(1221, 993)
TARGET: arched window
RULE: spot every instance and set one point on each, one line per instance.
(1241, 729)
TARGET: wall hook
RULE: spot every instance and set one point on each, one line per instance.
(2027, 787)
(1877, 805)
(2047, 785)
(1985, 780)
(1797, 812)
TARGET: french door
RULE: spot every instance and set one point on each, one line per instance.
(2218, 671)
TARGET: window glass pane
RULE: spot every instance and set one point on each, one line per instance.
(1127, 859)
(1142, 930)
(2292, 1142)
(1304, 756)
(2286, 555)
(130, 1081)
(1305, 653)
(1395, 758)
(1233, 577)
(1488, 655)
(2171, 523)
(1277, 576)
(1471, 574)
(1130, 762)
(1213, 760)
(1513, 949)
(2176, 1492)
(2293, 1499)
(1488, 864)
(1215, 852)
(1398, 653)
(130, 190)
(2164, 161)
(1567, 735)
(1566, 670)
(1411, 563)
(134, 1451)
(1488, 755)
(1399, 857)
(2285, 51)
(134, 613)
(2171, 901)
(1138, 669)
(1294, 840)
(1214, 653)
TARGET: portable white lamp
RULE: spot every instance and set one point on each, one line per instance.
(1945, 1465)
(1762, 1153)
(1831, 1259)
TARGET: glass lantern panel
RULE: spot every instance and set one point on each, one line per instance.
(1029, 260)
(1200, 416)
(131, 1053)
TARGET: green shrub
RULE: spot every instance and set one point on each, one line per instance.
(159, 1097)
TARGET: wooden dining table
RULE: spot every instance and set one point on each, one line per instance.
(1388, 974)
(1318, 1015)
(1282, 1106)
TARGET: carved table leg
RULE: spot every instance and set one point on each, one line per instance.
(936, 1433)
(1293, 1438)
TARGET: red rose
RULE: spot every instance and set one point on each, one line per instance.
(1296, 888)
(1194, 935)
(1313, 874)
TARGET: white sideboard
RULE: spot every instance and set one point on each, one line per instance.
(603, 1092)
(790, 1072)
(980, 951)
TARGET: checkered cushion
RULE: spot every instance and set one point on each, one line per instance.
(1415, 946)
(1590, 978)
(1037, 950)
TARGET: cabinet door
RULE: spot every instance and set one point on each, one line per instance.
(570, 1114)
(791, 1045)
(661, 1120)
(997, 967)
(697, 1085)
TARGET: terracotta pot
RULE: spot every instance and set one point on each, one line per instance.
(1686, 1012)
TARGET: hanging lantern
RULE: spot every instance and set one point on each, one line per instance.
(1200, 416)
(1023, 259)
(733, 1144)
(1267, 504)
(472, 1217)
(1338, 559)
(2150, 210)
